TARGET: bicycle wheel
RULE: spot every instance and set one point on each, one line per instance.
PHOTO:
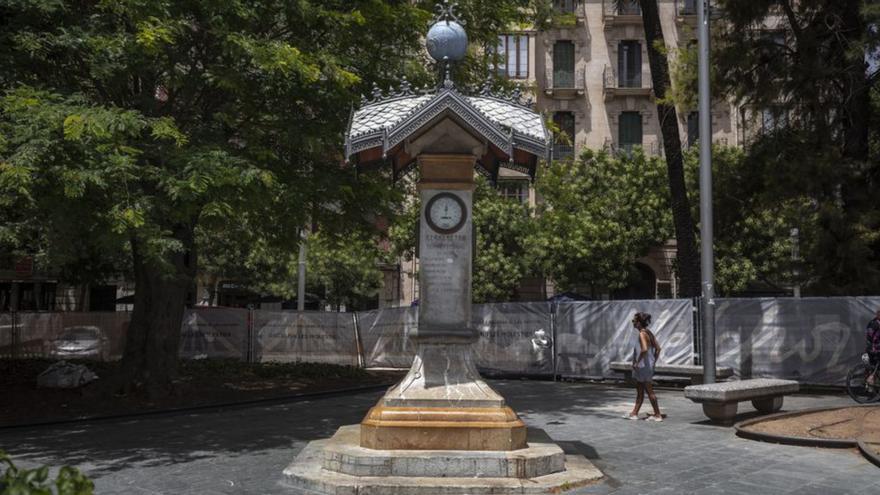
(857, 387)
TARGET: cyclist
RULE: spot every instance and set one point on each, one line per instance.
(872, 343)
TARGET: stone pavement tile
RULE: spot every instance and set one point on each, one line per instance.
(735, 487)
(820, 489)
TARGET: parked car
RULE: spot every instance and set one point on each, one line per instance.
(81, 341)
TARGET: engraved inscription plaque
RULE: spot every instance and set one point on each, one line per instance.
(445, 247)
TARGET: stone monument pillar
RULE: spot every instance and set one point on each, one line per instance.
(442, 403)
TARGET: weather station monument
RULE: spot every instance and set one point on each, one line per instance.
(442, 429)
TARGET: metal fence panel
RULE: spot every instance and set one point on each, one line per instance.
(71, 335)
(7, 339)
(515, 338)
(312, 337)
(385, 337)
(592, 334)
(214, 333)
(812, 340)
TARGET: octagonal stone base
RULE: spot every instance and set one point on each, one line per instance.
(339, 465)
(442, 428)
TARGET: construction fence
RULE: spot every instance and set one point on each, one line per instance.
(813, 340)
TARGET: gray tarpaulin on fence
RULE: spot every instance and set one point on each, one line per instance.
(812, 340)
(515, 338)
(214, 333)
(590, 335)
(6, 335)
(508, 340)
(311, 337)
(92, 335)
(385, 337)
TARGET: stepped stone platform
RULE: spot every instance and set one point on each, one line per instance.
(339, 465)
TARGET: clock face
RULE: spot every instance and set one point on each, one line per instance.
(445, 213)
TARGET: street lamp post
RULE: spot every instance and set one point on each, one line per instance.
(795, 258)
(301, 275)
(707, 256)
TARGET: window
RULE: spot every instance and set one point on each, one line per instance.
(688, 7)
(693, 123)
(513, 50)
(629, 64)
(628, 7)
(563, 146)
(564, 6)
(630, 131)
(773, 119)
(772, 44)
(517, 190)
(563, 64)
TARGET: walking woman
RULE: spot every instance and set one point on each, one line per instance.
(645, 354)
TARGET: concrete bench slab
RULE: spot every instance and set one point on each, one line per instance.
(720, 400)
(692, 371)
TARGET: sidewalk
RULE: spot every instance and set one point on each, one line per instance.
(243, 450)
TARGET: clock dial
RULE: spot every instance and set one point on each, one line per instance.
(446, 213)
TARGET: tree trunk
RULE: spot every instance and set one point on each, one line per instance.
(150, 359)
(857, 90)
(687, 254)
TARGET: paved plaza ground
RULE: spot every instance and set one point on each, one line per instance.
(243, 450)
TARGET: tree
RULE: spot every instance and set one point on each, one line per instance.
(150, 120)
(160, 126)
(502, 259)
(752, 241)
(803, 75)
(344, 269)
(687, 254)
(601, 212)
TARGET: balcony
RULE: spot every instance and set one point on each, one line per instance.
(566, 84)
(568, 13)
(686, 12)
(654, 148)
(621, 12)
(628, 85)
(563, 152)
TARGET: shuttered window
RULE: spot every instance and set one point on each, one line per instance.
(630, 132)
(629, 64)
(563, 64)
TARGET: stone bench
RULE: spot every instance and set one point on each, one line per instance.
(720, 400)
(692, 371)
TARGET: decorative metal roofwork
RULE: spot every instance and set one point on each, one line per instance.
(388, 118)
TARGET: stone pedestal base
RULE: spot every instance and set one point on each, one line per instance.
(339, 465)
(451, 428)
(443, 404)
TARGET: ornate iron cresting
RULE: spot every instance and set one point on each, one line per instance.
(446, 12)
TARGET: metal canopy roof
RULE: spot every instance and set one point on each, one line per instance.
(516, 135)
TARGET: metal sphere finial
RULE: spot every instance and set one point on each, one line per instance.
(446, 40)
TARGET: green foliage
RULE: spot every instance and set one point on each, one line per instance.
(344, 266)
(601, 212)
(683, 75)
(502, 260)
(16, 481)
(561, 20)
(817, 171)
(752, 235)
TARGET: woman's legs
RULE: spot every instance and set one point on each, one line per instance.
(640, 397)
(653, 398)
